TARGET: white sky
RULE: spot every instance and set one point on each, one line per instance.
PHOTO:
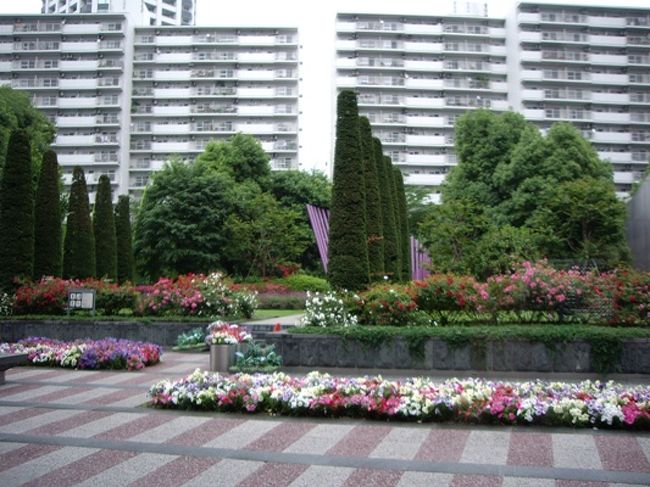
(316, 23)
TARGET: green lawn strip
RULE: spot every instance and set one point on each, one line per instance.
(264, 314)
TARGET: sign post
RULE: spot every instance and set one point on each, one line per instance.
(81, 299)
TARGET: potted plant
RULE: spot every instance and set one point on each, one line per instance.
(224, 340)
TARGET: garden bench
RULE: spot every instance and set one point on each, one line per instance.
(8, 360)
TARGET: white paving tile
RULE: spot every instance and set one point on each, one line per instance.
(527, 482)
(645, 446)
(101, 425)
(37, 467)
(7, 447)
(137, 399)
(170, 429)
(486, 447)
(425, 479)
(320, 476)
(32, 394)
(401, 443)
(226, 472)
(320, 439)
(575, 451)
(9, 409)
(128, 471)
(243, 434)
(79, 395)
(41, 420)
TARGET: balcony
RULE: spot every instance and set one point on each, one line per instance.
(531, 56)
(624, 177)
(255, 92)
(171, 110)
(73, 29)
(427, 159)
(617, 157)
(172, 147)
(256, 110)
(609, 78)
(63, 122)
(426, 121)
(249, 40)
(608, 40)
(610, 117)
(74, 159)
(498, 68)
(426, 84)
(424, 102)
(86, 65)
(172, 75)
(172, 92)
(423, 65)
(617, 98)
(256, 57)
(532, 75)
(424, 179)
(79, 46)
(74, 140)
(174, 57)
(79, 102)
(78, 84)
(173, 40)
(608, 59)
(422, 29)
(528, 18)
(534, 114)
(170, 128)
(611, 137)
(426, 140)
(256, 74)
(615, 22)
(433, 47)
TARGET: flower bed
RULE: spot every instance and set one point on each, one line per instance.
(470, 400)
(109, 353)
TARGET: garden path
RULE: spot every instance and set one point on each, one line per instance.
(61, 428)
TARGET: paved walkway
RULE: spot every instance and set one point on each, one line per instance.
(61, 428)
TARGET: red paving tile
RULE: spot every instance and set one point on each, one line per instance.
(443, 445)
(360, 441)
(281, 436)
(530, 449)
(177, 472)
(205, 432)
(24, 454)
(621, 453)
(85, 377)
(15, 416)
(69, 423)
(475, 481)
(135, 427)
(579, 483)
(365, 476)
(5, 392)
(116, 396)
(60, 393)
(273, 475)
(82, 469)
(14, 374)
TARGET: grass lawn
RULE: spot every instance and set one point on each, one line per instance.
(264, 314)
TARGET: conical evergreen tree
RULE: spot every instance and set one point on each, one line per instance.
(16, 212)
(125, 261)
(390, 184)
(404, 225)
(391, 252)
(373, 202)
(348, 249)
(104, 227)
(79, 244)
(48, 238)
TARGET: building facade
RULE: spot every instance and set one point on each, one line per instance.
(124, 99)
(143, 12)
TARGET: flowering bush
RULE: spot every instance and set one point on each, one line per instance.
(327, 309)
(222, 333)
(47, 296)
(446, 292)
(470, 400)
(108, 353)
(6, 304)
(386, 304)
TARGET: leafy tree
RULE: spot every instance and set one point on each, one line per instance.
(405, 236)
(348, 250)
(104, 227)
(268, 237)
(373, 202)
(18, 113)
(296, 189)
(180, 224)
(418, 206)
(79, 242)
(393, 233)
(48, 238)
(16, 212)
(124, 239)
(241, 156)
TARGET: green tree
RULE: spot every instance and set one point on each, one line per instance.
(268, 236)
(393, 234)
(48, 238)
(374, 220)
(180, 224)
(418, 206)
(124, 240)
(104, 227)
(348, 249)
(241, 156)
(389, 243)
(79, 242)
(405, 235)
(296, 189)
(18, 113)
(16, 212)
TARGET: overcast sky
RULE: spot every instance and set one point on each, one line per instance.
(316, 23)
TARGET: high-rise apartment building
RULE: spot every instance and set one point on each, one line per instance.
(143, 12)
(589, 66)
(415, 75)
(125, 99)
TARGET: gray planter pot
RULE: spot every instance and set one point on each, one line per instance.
(222, 357)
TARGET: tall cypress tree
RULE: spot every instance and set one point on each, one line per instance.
(373, 202)
(348, 249)
(390, 185)
(79, 244)
(125, 261)
(405, 242)
(16, 212)
(48, 238)
(104, 227)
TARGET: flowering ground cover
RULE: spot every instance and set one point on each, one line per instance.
(587, 404)
(108, 353)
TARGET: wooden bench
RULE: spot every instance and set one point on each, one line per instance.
(9, 360)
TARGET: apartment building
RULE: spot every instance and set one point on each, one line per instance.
(589, 66)
(191, 85)
(125, 98)
(144, 12)
(415, 76)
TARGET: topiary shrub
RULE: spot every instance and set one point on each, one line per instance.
(305, 282)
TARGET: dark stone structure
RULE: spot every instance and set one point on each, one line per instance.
(638, 227)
